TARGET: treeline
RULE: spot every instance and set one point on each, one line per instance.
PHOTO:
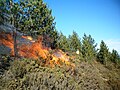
(34, 18)
(87, 47)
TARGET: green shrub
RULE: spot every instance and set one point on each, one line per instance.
(27, 74)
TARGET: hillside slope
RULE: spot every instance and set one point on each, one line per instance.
(30, 75)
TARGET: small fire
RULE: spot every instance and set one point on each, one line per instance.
(7, 40)
(35, 50)
(28, 37)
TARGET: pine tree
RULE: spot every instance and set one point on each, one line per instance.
(88, 47)
(36, 18)
(63, 43)
(55, 36)
(74, 42)
(103, 54)
(114, 56)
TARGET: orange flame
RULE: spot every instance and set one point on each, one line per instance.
(7, 40)
(27, 37)
(35, 50)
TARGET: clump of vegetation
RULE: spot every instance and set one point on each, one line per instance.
(4, 63)
(28, 74)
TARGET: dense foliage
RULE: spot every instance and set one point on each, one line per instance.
(88, 47)
(29, 74)
(103, 53)
(115, 58)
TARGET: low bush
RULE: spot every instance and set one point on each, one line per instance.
(27, 74)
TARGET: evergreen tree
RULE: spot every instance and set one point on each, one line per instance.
(63, 43)
(74, 42)
(55, 36)
(36, 18)
(114, 56)
(13, 11)
(88, 47)
(103, 54)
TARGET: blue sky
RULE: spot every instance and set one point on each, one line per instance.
(99, 18)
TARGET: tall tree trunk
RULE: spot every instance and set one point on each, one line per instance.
(15, 44)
